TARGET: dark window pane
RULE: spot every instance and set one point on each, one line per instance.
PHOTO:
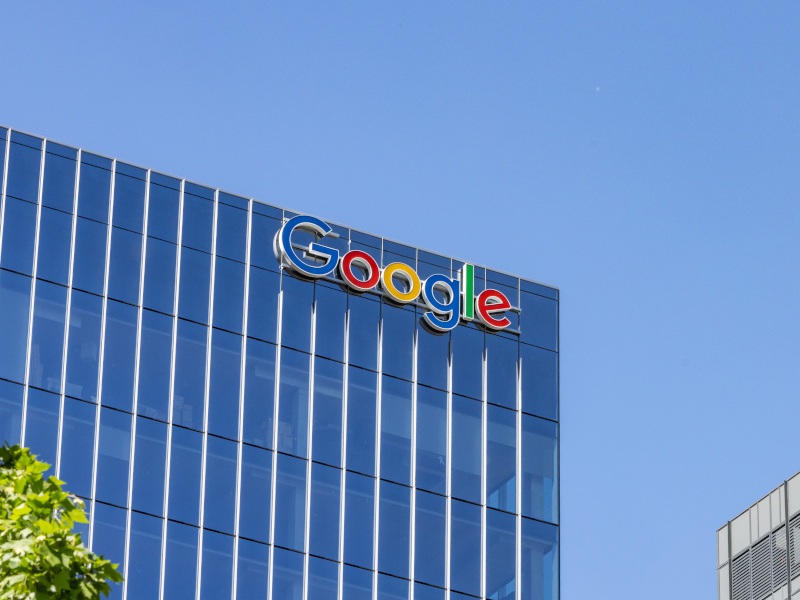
(296, 313)
(431, 439)
(128, 202)
(287, 574)
(88, 268)
(426, 592)
(252, 577)
(190, 368)
(357, 583)
(23, 171)
(55, 233)
(539, 561)
(109, 538)
(465, 548)
(223, 399)
(261, 249)
(392, 588)
(119, 358)
(327, 427)
(324, 522)
(293, 403)
(84, 345)
(331, 307)
(290, 502)
(539, 321)
(47, 346)
(217, 566)
(15, 295)
(262, 306)
(77, 446)
(181, 563)
(501, 459)
(94, 191)
(359, 506)
(59, 182)
(466, 481)
(159, 275)
(231, 232)
(10, 413)
(154, 365)
(502, 356)
(113, 457)
(539, 381)
(500, 555)
(124, 265)
(198, 214)
(323, 579)
(393, 547)
(149, 466)
(184, 475)
(41, 427)
(468, 361)
(433, 351)
(430, 538)
(162, 210)
(194, 285)
(144, 556)
(255, 496)
(220, 481)
(396, 430)
(361, 398)
(539, 469)
(228, 295)
(259, 393)
(19, 229)
(364, 318)
(398, 340)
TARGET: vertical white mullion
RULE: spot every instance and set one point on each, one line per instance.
(310, 441)
(518, 490)
(275, 406)
(449, 467)
(378, 414)
(412, 517)
(343, 448)
(3, 186)
(484, 445)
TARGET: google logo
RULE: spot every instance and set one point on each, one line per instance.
(449, 300)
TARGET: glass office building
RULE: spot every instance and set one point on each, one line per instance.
(239, 431)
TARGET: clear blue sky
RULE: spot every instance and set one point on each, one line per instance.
(642, 156)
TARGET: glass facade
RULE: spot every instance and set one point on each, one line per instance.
(238, 431)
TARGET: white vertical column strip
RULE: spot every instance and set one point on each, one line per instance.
(309, 445)
(171, 402)
(484, 434)
(278, 338)
(342, 480)
(412, 517)
(519, 472)
(378, 407)
(3, 188)
(448, 482)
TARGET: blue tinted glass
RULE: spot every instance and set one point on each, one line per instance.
(324, 521)
(252, 575)
(198, 214)
(500, 555)
(259, 393)
(467, 361)
(19, 229)
(119, 358)
(255, 496)
(128, 202)
(159, 275)
(431, 439)
(90, 256)
(327, 428)
(55, 233)
(290, 502)
(11, 413)
(539, 381)
(220, 481)
(393, 547)
(502, 356)
(41, 426)
(94, 190)
(23, 172)
(465, 547)
(323, 579)
(262, 306)
(48, 336)
(190, 368)
(539, 469)
(359, 510)
(466, 479)
(84, 345)
(331, 306)
(149, 466)
(426, 592)
(194, 285)
(124, 265)
(430, 538)
(162, 210)
(231, 232)
(228, 294)
(357, 584)
(364, 317)
(109, 538)
(539, 561)
(59, 182)
(293, 403)
(181, 563)
(154, 365)
(296, 313)
(398, 340)
(287, 574)
(235, 201)
(113, 457)
(261, 249)
(396, 430)
(217, 566)
(392, 588)
(144, 556)
(223, 397)
(184, 475)
(15, 294)
(501, 458)
(433, 351)
(361, 398)
(77, 446)
(539, 321)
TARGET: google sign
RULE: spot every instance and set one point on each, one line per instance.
(449, 300)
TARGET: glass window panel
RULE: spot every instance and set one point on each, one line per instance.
(255, 495)
(77, 446)
(149, 466)
(184, 475)
(262, 306)
(259, 393)
(466, 461)
(15, 295)
(113, 456)
(296, 313)
(41, 427)
(231, 232)
(431, 439)
(235, 201)
(293, 403)
(55, 233)
(128, 202)
(468, 361)
(217, 580)
(228, 294)
(124, 265)
(162, 208)
(252, 575)
(10, 413)
(539, 321)
(181, 564)
(84, 345)
(94, 189)
(23, 170)
(398, 340)
(327, 428)
(426, 592)
(159, 275)
(361, 399)
(392, 588)
(144, 556)
(429, 565)
(323, 579)
(396, 430)
(262, 253)
(539, 469)
(324, 518)
(223, 399)
(359, 507)
(433, 351)
(465, 547)
(220, 497)
(357, 584)
(198, 215)
(331, 307)
(19, 230)
(287, 575)
(119, 359)
(194, 285)
(539, 561)
(364, 318)
(539, 381)
(47, 346)
(290, 503)
(154, 365)
(59, 181)
(501, 459)
(500, 555)
(88, 268)
(109, 538)
(393, 546)
(502, 356)
(190, 367)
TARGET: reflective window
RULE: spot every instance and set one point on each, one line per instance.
(194, 285)
(361, 399)
(426, 592)
(359, 511)
(392, 588)
(129, 199)
(84, 345)
(396, 430)
(11, 413)
(290, 502)
(364, 318)
(430, 538)
(252, 575)
(255, 496)
(77, 446)
(94, 188)
(231, 232)
(220, 497)
(181, 564)
(465, 547)
(184, 475)
(539, 321)
(502, 356)
(287, 575)
(323, 579)
(190, 367)
(357, 583)
(228, 294)
(19, 230)
(154, 365)
(259, 393)
(198, 214)
(162, 209)
(324, 521)
(331, 307)
(49, 314)
(539, 381)
(466, 477)
(109, 538)
(144, 556)
(23, 168)
(88, 268)
(124, 265)
(398, 345)
(149, 466)
(41, 426)
(159, 275)
(539, 469)
(119, 358)
(59, 180)
(55, 234)
(261, 249)
(501, 459)
(327, 428)
(539, 561)
(113, 457)
(293, 403)
(296, 313)
(223, 398)
(217, 566)
(431, 439)
(433, 350)
(393, 547)
(500, 555)
(262, 307)
(15, 294)
(468, 361)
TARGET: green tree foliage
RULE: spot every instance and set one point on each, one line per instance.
(40, 556)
